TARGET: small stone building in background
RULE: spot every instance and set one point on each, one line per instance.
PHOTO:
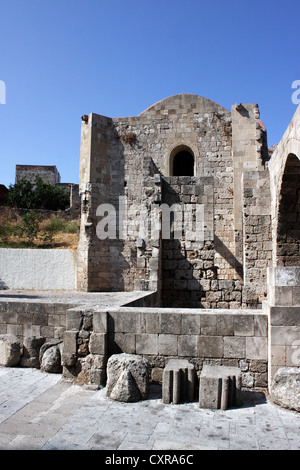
(49, 174)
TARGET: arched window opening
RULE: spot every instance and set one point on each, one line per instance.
(182, 162)
(288, 230)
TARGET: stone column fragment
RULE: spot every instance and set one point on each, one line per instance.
(178, 383)
(220, 387)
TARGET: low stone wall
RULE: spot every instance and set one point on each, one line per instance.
(91, 335)
(235, 337)
(221, 337)
(29, 318)
(37, 269)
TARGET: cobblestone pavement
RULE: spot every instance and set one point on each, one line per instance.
(41, 411)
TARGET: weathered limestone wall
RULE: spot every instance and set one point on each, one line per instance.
(223, 337)
(113, 152)
(249, 152)
(192, 274)
(283, 309)
(204, 127)
(37, 269)
(49, 174)
(257, 236)
(103, 265)
(40, 319)
(90, 335)
(289, 145)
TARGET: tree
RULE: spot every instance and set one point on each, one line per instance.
(37, 195)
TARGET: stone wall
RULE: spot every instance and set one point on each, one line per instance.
(49, 174)
(114, 152)
(288, 228)
(220, 337)
(194, 272)
(283, 310)
(288, 145)
(90, 335)
(33, 318)
(257, 236)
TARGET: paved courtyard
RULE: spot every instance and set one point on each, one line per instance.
(41, 411)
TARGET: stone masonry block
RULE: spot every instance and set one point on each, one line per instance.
(126, 322)
(40, 318)
(178, 383)
(256, 348)
(188, 345)
(74, 319)
(10, 350)
(100, 322)
(220, 387)
(98, 343)
(147, 344)
(234, 347)
(284, 335)
(296, 295)
(126, 342)
(243, 325)
(171, 323)
(167, 345)
(149, 322)
(191, 324)
(208, 323)
(70, 342)
(210, 346)
(225, 325)
(260, 325)
(285, 316)
(283, 295)
(127, 377)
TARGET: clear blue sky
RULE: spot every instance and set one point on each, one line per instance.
(65, 58)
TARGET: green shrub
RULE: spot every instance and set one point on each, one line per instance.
(29, 227)
(37, 195)
(57, 224)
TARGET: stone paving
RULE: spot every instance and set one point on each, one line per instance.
(41, 411)
(99, 299)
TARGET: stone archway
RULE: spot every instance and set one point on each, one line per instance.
(288, 226)
(182, 161)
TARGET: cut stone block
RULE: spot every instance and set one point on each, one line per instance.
(118, 378)
(31, 351)
(178, 384)
(10, 351)
(220, 387)
(285, 390)
(51, 356)
(125, 389)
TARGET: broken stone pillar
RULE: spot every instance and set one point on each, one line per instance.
(178, 384)
(220, 387)
(127, 377)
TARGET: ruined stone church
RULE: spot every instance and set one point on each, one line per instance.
(194, 224)
(190, 152)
